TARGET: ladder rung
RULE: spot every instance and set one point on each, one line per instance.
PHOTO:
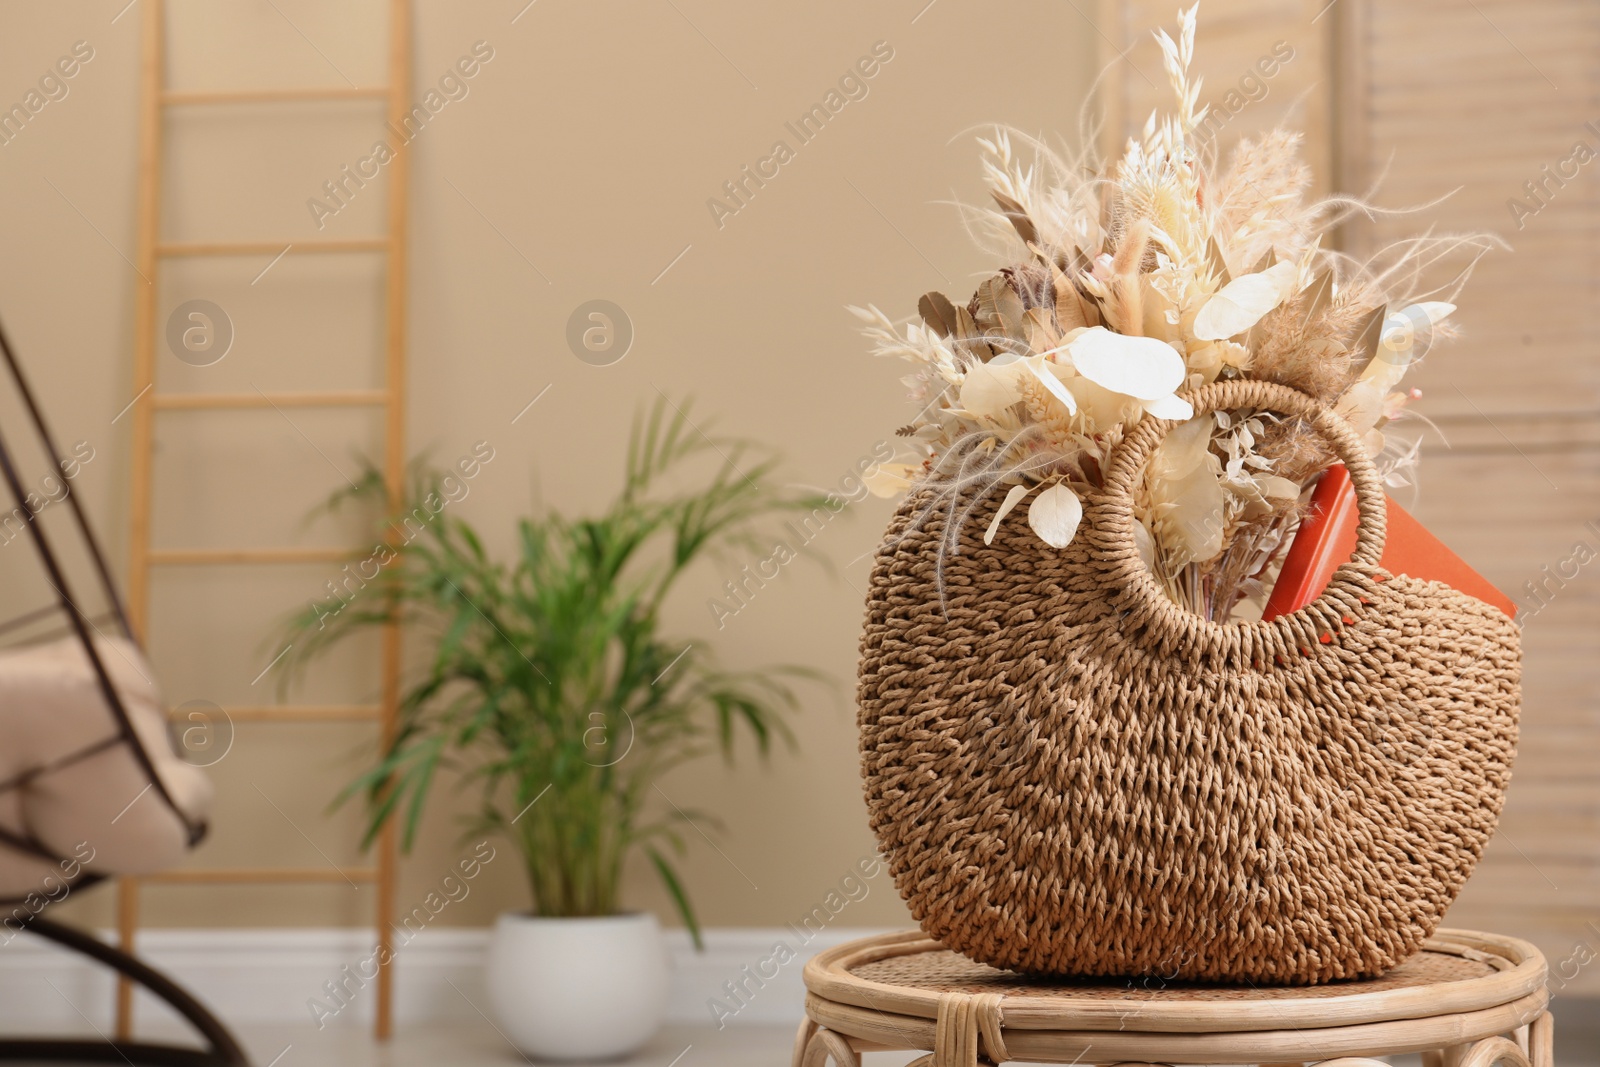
(272, 248)
(209, 401)
(306, 713)
(185, 556)
(261, 875)
(176, 97)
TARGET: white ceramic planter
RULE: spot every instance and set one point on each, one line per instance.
(578, 989)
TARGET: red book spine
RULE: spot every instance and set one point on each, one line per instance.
(1327, 537)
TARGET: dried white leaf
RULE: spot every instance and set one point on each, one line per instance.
(1276, 488)
(1183, 450)
(1260, 491)
(1048, 379)
(1141, 367)
(1145, 544)
(1398, 341)
(1241, 303)
(1194, 523)
(1172, 407)
(988, 390)
(1012, 499)
(888, 479)
(1055, 514)
(1362, 404)
(1435, 310)
(1099, 406)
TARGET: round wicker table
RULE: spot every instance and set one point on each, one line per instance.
(1467, 1000)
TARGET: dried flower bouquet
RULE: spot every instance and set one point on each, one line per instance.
(1134, 284)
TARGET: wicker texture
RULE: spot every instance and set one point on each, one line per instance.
(1070, 775)
(1452, 1002)
(941, 970)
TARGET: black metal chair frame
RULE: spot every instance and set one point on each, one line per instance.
(223, 1050)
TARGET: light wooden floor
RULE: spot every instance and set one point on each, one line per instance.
(477, 1045)
(466, 1045)
(469, 1045)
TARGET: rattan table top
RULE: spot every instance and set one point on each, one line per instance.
(1459, 971)
(944, 971)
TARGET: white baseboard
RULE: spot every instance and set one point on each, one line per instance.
(271, 976)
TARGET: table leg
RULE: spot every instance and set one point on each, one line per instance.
(1433, 1058)
(826, 1044)
(801, 1040)
(1541, 1041)
(1493, 1050)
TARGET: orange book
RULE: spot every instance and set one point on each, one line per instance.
(1327, 537)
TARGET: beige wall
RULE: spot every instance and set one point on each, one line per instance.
(578, 167)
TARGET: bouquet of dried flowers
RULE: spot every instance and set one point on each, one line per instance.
(1134, 284)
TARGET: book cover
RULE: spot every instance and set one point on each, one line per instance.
(1327, 537)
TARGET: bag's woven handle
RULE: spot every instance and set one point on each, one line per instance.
(1115, 522)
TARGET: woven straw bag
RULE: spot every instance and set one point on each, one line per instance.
(1071, 775)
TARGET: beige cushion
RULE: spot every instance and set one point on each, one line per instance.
(51, 706)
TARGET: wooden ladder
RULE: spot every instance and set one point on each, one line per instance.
(151, 251)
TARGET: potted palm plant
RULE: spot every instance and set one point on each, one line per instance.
(551, 686)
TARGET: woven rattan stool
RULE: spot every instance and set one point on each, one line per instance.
(1467, 1000)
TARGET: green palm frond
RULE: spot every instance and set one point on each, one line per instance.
(548, 681)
